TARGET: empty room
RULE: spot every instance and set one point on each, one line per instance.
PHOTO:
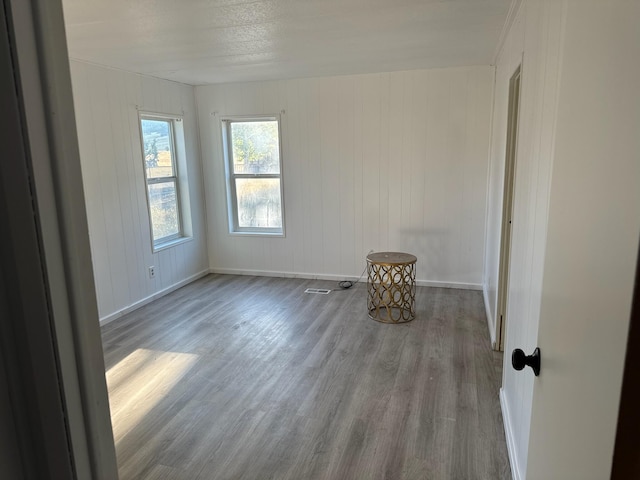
(298, 162)
(325, 239)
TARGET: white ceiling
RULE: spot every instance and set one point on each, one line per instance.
(213, 41)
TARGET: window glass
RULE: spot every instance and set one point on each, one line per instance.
(255, 147)
(163, 207)
(254, 183)
(161, 174)
(158, 149)
(259, 202)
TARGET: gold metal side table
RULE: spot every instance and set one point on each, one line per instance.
(391, 286)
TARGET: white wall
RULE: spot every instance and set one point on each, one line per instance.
(106, 102)
(391, 161)
(535, 36)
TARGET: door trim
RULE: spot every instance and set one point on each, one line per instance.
(46, 101)
(507, 205)
(27, 334)
(626, 455)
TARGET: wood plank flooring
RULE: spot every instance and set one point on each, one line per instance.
(236, 377)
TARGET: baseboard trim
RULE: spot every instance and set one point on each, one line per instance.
(270, 273)
(336, 278)
(141, 303)
(458, 285)
(508, 431)
(490, 319)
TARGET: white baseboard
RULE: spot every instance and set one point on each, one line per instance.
(272, 273)
(490, 319)
(508, 431)
(337, 278)
(140, 303)
(459, 285)
(267, 273)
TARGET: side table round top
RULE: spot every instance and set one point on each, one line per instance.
(391, 258)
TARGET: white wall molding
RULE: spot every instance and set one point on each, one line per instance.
(490, 319)
(509, 434)
(127, 72)
(336, 278)
(151, 298)
(514, 10)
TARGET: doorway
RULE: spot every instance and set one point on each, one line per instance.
(507, 205)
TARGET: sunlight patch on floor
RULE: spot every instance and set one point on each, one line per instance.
(139, 382)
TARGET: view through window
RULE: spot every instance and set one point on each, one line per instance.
(162, 178)
(254, 175)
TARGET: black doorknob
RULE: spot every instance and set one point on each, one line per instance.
(519, 360)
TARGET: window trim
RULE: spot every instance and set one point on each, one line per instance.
(230, 177)
(180, 237)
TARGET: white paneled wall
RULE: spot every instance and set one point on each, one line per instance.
(106, 103)
(535, 40)
(391, 161)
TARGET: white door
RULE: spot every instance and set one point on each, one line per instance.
(592, 244)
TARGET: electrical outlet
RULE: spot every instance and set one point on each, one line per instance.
(152, 271)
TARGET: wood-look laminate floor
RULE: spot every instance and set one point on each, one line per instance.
(236, 377)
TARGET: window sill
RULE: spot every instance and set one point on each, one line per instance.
(258, 234)
(170, 243)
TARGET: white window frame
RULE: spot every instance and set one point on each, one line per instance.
(232, 200)
(178, 178)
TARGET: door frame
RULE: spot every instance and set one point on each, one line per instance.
(31, 374)
(626, 456)
(39, 55)
(515, 84)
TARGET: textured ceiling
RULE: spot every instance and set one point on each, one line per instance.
(213, 41)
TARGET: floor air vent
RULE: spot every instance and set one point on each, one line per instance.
(321, 291)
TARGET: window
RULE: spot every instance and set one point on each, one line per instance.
(162, 174)
(254, 175)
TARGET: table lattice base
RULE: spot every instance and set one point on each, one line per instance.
(391, 291)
